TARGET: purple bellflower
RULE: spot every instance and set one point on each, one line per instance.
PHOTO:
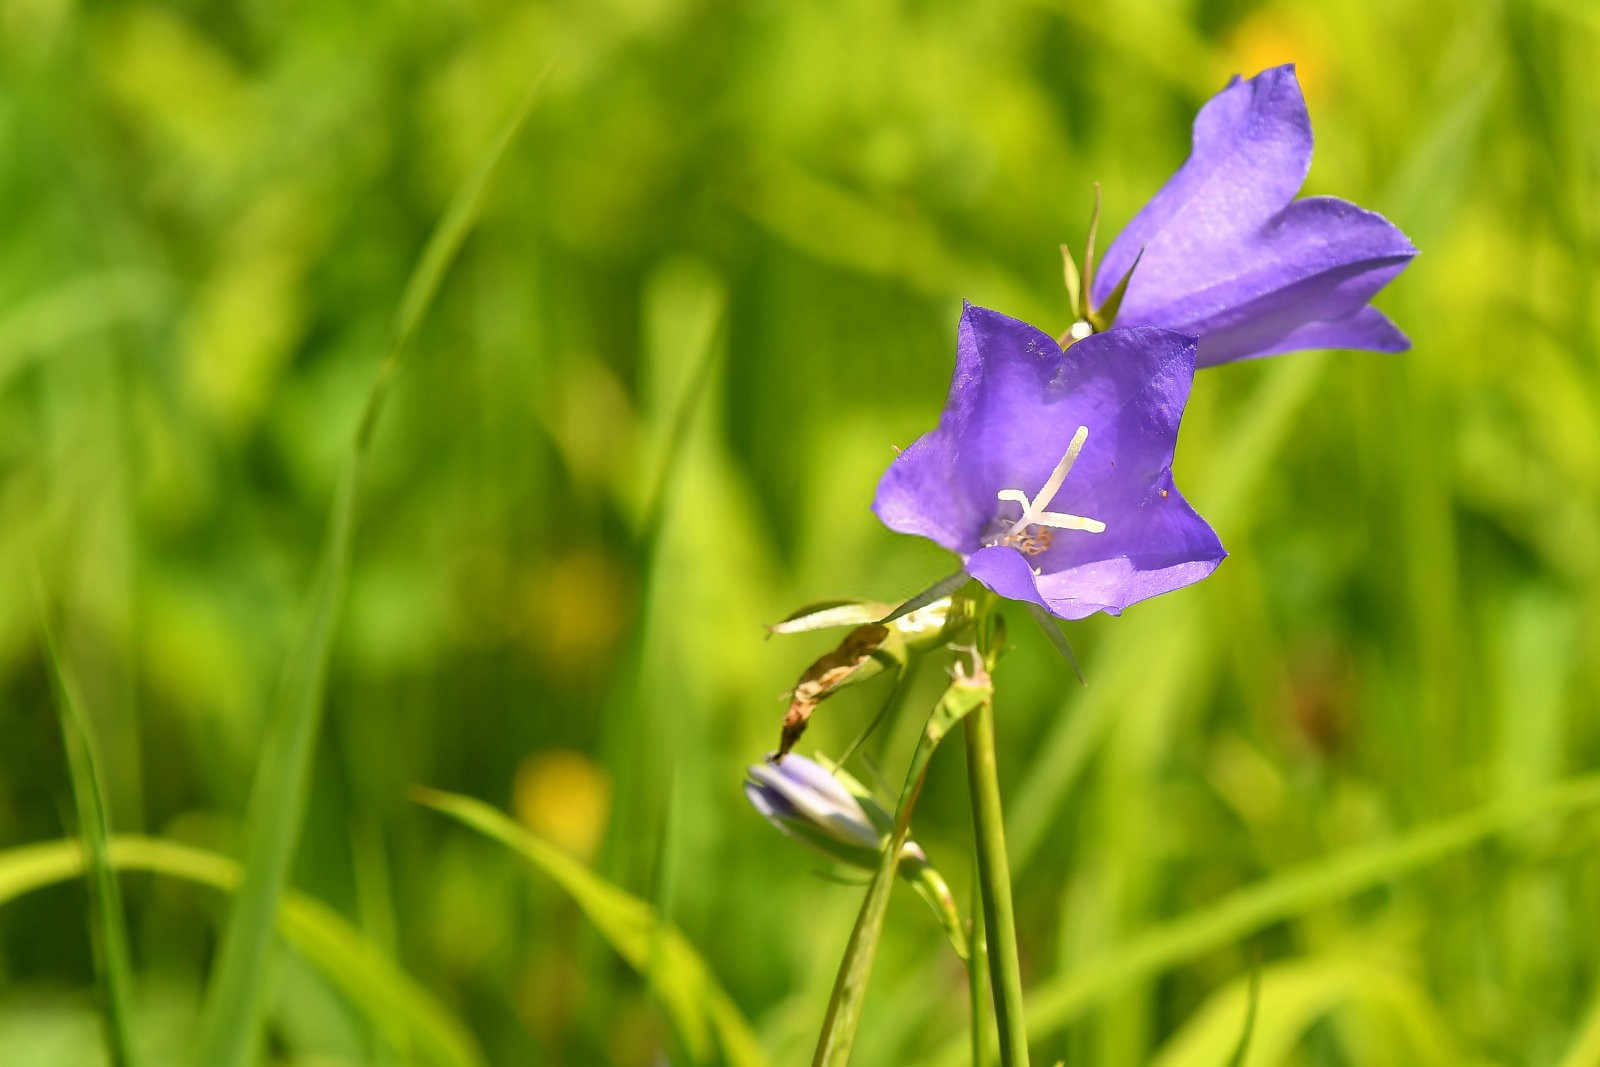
(824, 807)
(1050, 472)
(806, 801)
(1227, 255)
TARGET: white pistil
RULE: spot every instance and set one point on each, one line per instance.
(1033, 511)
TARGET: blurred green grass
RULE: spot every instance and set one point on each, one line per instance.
(212, 211)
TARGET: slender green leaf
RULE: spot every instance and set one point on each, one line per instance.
(72, 310)
(1241, 1049)
(400, 1009)
(1063, 999)
(1286, 1000)
(107, 927)
(1585, 1048)
(700, 1008)
(230, 1028)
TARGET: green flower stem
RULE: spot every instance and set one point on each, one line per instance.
(978, 978)
(994, 876)
(850, 986)
(966, 693)
(107, 929)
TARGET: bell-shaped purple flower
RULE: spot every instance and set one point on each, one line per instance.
(1230, 257)
(804, 800)
(824, 807)
(1050, 472)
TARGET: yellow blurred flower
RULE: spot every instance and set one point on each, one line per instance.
(565, 798)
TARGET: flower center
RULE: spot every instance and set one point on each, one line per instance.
(1031, 534)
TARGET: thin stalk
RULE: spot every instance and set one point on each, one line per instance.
(994, 876)
(978, 978)
(229, 1033)
(889, 711)
(107, 929)
(850, 986)
(966, 691)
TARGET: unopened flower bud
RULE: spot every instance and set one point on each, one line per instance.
(836, 815)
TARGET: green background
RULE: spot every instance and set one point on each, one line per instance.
(715, 279)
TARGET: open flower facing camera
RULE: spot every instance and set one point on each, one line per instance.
(1050, 472)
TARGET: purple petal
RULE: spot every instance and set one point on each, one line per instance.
(808, 774)
(769, 802)
(1229, 259)
(1007, 572)
(1015, 403)
(818, 798)
(1163, 544)
(1320, 259)
(1251, 152)
(1137, 381)
(943, 487)
(1367, 329)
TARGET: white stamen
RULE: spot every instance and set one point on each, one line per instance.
(1015, 494)
(1079, 330)
(1033, 511)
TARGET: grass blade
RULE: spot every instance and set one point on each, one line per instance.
(1242, 1049)
(698, 1005)
(73, 310)
(937, 591)
(1377, 1004)
(231, 1025)
(402, 1011)
(1585, 1048)
(1058, 1002)
(107, 928)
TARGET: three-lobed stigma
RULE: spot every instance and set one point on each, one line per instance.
(1031, 534)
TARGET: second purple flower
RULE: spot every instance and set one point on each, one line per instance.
(1227, 254)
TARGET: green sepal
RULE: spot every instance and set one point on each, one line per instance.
(877, 814)
(842, 851)
(930, 885)
(868, 650)
(1088, 257)
(1047, 623)
(1102, 317)
(825, 614)
(1069, 275)
(933, 594)
(936, 623)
